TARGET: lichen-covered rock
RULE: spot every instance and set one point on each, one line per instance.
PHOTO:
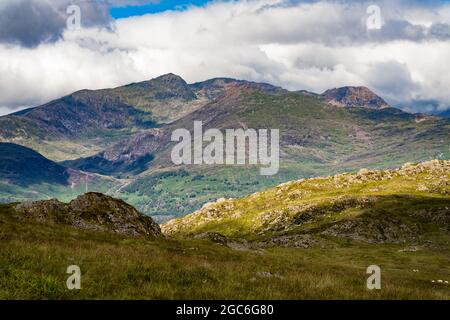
(93, 211)
(373, 230)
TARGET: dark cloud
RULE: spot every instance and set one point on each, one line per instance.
(404, 30)
(337, 23)
(440, 31)
(31, 22)
(393, 79)
(400, 29)
(430, 106)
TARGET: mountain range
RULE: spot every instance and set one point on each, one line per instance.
(118, 140)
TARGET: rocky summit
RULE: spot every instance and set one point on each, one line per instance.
(92, 211)
(354, 97)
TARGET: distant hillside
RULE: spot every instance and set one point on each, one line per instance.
(316, 139)
(27, 175)
(129, 156)
(374, 206)
(311, 130)
(125, 133)
(445, 114)
(23, 166)
(87, 121)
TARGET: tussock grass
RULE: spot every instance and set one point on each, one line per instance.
(34, 258)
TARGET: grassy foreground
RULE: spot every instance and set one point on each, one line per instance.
(306, 239)
(34, 258)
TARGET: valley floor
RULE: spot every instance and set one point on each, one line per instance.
(34, 258)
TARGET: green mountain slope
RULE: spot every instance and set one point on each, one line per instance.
(316, 139)
(22, 166)
(80, 123)
(27, 175)
(88, 121)
(375, 206)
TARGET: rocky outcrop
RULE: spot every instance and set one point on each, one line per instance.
(93, 211)
(374, 230)
(354, 97)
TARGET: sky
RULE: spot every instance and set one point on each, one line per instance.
(126, 11)
(400, 49)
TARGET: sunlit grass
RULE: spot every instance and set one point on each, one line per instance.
(34, 258)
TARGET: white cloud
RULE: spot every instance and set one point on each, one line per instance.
(313, 46)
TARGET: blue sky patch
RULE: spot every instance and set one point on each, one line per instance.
(163, 5)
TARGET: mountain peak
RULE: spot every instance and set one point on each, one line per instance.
(169, 77)
(167, 86)
(354, 97)
(215, 87)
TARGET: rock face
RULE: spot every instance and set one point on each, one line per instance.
(354, 97)
(377, 229)
(93, 211)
